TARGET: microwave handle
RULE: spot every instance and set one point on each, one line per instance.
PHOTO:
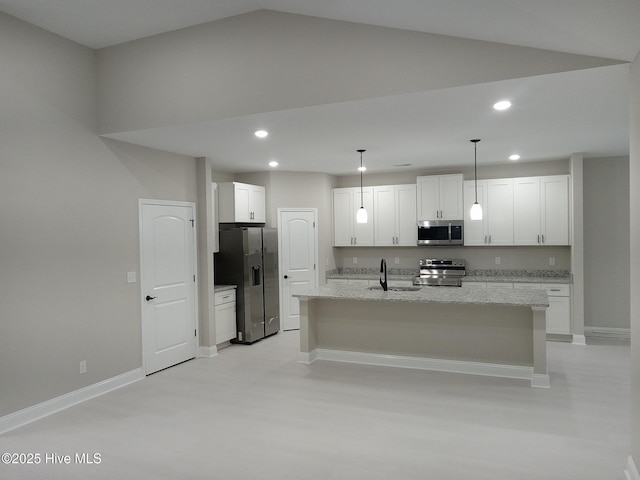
(449, 232)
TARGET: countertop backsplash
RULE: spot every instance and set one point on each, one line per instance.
(484, 275)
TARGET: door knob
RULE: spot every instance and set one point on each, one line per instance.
(286, 276)
(149, 298)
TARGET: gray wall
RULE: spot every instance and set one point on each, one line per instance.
(606, 242)
(634, 194)
(69, 210)
(261, 61)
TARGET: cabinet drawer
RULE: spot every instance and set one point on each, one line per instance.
(224, 297)
(557, 290)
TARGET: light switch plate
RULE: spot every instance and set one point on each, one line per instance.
(552, 260)
(355, 260)
(131, 277)
(498, 260)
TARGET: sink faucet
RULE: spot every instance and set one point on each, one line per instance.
(383, 269)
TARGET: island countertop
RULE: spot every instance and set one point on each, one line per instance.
(456, 295)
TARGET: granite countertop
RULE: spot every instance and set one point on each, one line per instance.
(223, 288)
(503, 276)
(453, 295)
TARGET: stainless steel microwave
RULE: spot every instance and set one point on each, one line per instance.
(441, 232)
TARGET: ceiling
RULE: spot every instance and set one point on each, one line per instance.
(552, 117)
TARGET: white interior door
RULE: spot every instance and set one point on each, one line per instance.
(298, 260)
(167, 280)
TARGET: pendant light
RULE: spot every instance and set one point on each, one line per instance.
(476, 209)
(361, 215)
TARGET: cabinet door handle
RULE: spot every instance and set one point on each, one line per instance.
(543, 238)
(538, 238)
(489, 238)
(485, 239)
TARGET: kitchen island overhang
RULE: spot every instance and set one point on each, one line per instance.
(492, 332)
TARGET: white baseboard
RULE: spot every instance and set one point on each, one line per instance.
(436, 364)
(579, 340)
(623, 334)
(207, 352)
(41, 410)
(631, 473)
(308, 358)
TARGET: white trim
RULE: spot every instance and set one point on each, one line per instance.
(631, 473)
(308, 357)
(607, 332)
(49, 407)
(436, 364)
(579, 340)
(207, 352)
(539, 380)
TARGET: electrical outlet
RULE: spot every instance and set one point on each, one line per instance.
(396, 260)
(552, 260)
(355, 260)
(83, 366)
(131, 277)
(498, 260)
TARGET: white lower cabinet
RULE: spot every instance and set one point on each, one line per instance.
(559, 311)
(225, 312)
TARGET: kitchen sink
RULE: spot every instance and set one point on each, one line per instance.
(397, 289)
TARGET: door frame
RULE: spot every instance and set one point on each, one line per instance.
(142, 202)
(315, 252)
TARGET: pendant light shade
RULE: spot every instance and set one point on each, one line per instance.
(361, 215)
(476, 209)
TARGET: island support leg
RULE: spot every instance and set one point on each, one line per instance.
(308, 342)
(540, 377)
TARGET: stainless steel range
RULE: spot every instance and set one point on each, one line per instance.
(441, 272)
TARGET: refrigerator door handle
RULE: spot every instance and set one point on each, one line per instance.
(255, 271)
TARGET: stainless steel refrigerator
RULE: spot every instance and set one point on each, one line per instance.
(248, 258)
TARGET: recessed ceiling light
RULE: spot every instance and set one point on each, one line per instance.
(273, 163)
(261, 133)
(362, 169)
(502, 105)
(515, 156)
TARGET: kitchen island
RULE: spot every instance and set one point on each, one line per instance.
(494, 332)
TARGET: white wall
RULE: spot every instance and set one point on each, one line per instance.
(69, 210)
(606, 242)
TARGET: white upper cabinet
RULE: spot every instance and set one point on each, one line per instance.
(555, 210)
(439, 197)
(500, 211)
(394, 215)
(241, 203)
(541, 210)
(496, 199)
(346, 231)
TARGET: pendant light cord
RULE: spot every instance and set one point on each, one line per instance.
(475, 164)
(361, 192)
